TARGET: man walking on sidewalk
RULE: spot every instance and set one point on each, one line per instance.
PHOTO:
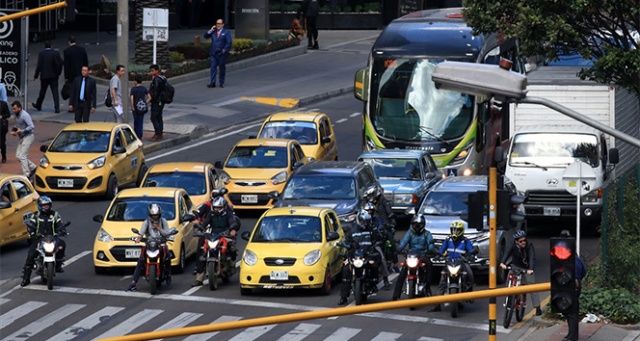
(155, 90)
(115, 87)
(48, 69)
(24, 130)
(83, 96)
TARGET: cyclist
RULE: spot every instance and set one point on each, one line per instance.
(523, 256)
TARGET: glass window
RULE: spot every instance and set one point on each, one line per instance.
(5, 192)
(320, 188)
(279, 229)
(22, 189)
(135, 209)
(258, 157)
(129, 136)
(444, 203)
(70, 141)
(192, 182)
(117, 141)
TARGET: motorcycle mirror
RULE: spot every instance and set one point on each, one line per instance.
(66, 224)
(245, 235)
(98, 218)
(173, 231)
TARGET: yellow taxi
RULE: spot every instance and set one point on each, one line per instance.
(255, 167)
(292, 248)
(113, 246)
(197, 178)
(312, 129)
(18, 199)
(91, 158)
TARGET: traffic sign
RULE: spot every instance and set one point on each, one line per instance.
(579, 173)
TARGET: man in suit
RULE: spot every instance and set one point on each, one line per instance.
(220, 45)
(83, 96)
(74, 58)
(48, 69)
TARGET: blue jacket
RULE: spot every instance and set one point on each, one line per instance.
(422, 242)
(456, 248)
(581, 270)
(219, 44)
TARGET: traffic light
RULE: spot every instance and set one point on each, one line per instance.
(476, 203)
(563, 274)
(508, 214)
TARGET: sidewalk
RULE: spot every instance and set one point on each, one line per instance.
(539, 329)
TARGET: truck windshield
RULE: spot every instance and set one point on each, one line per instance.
(553, 150)
(408, 107)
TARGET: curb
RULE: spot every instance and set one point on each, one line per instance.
(322, 96)
(198, 131)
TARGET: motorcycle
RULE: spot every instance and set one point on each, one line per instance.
(157, 266)
(218, 258)
(46, 259)
(457, 281)
(364, 265)
(415, 273)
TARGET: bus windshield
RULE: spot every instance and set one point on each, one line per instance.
(406, 105)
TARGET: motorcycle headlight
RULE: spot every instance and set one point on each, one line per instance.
(97, 162)
(250, 258)
(213, 243)
(104, 237)
(153, 254)
(312, 257)
(412, 261)
(358, 262)
(48, 247)
(453, 270)
(44, 162)
(279, 178)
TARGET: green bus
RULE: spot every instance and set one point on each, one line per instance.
(403, 109)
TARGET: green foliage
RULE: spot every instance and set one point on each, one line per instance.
(259, 42)
(618, 305)
(600, 29)
(176, 57)
(371, 7)
(241, 44)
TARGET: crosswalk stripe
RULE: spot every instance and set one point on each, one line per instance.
(10, 316)
(343, 334)
(4, 300)
(86, 324)
(207, 336)
(300, 332)
(424, 338)
(180, 321)
(131, 323)
(252, 333)
(385, 336)
(44, 322)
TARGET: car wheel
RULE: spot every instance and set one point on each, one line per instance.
(326, 286)
(141, 173)
(245, 291)
(112, 187)
(182, 262)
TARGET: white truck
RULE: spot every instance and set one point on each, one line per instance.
(543, 142)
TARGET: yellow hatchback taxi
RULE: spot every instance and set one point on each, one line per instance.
(113, 246)
(292, 248)
(313, 130)
(91, 158)
(18, 199)
(197, 178)
(255, 167)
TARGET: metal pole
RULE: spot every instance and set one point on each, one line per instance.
(493, 186)
(155, 35)
(123, 54)
(25, 52)
(578, 199)
(97, 26)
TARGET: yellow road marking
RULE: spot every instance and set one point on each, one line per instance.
(280, 102)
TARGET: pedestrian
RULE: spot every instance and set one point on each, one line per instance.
(310, 10)
(155, 90)
(572, 316)
(4, 128)
(23, 129)
(75, 57)
(48, 69)
(83, 96)
(3, 92)
(115, 87)
(220, 45)
(140, 99)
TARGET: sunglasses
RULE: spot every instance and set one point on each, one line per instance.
(522, 241)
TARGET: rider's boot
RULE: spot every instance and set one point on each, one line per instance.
(59, 266)
(436, 308)
(199, 279)
(387, 284)
(26, 276)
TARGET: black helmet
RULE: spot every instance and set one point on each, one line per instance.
(218, 205)
(417, 224)
(44, 200)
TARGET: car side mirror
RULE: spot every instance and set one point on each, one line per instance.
(274, 195)
(218, 164)
(430, 175)
(135, 230)
(4, 204)
(245, 235)
(188, 217)
(118, 150)
(333, 235)
(326, 139)
(98, 218)
(44, 148)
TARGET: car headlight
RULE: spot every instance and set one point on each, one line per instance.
(97, 162)
(44, 162)
(405, 199)
(312, 257)
(592, 196)
(250, 258)
(104, 237)
(347, 218)
(279, 178)
(225, 177)
(462, 156)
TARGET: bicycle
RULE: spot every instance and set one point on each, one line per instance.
(518, 302)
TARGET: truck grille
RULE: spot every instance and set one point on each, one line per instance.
(550, 198)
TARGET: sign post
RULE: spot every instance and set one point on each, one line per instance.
(578, 178)
(155, 26)
(12, 55)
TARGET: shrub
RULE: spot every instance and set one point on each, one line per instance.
(176, 57)
(617, 304)
(241, 44)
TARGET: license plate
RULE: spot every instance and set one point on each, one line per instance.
(132, 253)
(249, 198)
(68, 183)
(279, 275)
(551, 211)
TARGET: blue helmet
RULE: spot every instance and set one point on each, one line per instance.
(44, 200)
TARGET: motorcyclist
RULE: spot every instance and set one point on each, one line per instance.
(376, 196)
(155, 226)
(362, 236)
(44, 222)
(420, 239)
(388, 231)
(203, 211)
(523, 256)
(454, 247)
(220, 221)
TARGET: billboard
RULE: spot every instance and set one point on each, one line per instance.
(12, 54)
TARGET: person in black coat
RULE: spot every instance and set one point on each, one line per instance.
(4, 128)
(75, 57)
(48, 69)
(83, 100)
(310, 10)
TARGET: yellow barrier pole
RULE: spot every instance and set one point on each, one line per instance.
(33, 11)
(493, 184)
(310, 315)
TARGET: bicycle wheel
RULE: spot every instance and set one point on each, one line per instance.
(508, 311)
(520, 308)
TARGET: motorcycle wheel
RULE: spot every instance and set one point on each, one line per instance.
(411, 289)
(520, 309)
(153, 281)
(454, 305)
(213, 275)
(508, 311)
(326, 286)
(50, 271)
(358, 291)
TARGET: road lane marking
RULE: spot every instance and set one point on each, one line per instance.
(300, 332)
(101, 316)
(179, 321)
(16, 313)
(343, 334)
(386, 336)
(43, 322)
(341, 120)
(252, 333)
(130, 324)
(207, 336)
(355, 114)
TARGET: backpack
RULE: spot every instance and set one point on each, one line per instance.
(108, 102)
(166, 96)
(141, 106)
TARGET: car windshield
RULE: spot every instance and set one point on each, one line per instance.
(192, 182)
(303, 132)
(320, 187)
(258, 157)
(298, 229)
(135, 209)
(81, 141)
(395, 168)
(444, 203)
(553, 150)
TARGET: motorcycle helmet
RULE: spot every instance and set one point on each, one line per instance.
(44, 201)
(364, 217)
(370, 207)
(217, 205)
(417, 224)
(457, 229)
(155, 212)
(372, 193)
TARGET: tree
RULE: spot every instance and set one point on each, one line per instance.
(144, 49)
(605, 31)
